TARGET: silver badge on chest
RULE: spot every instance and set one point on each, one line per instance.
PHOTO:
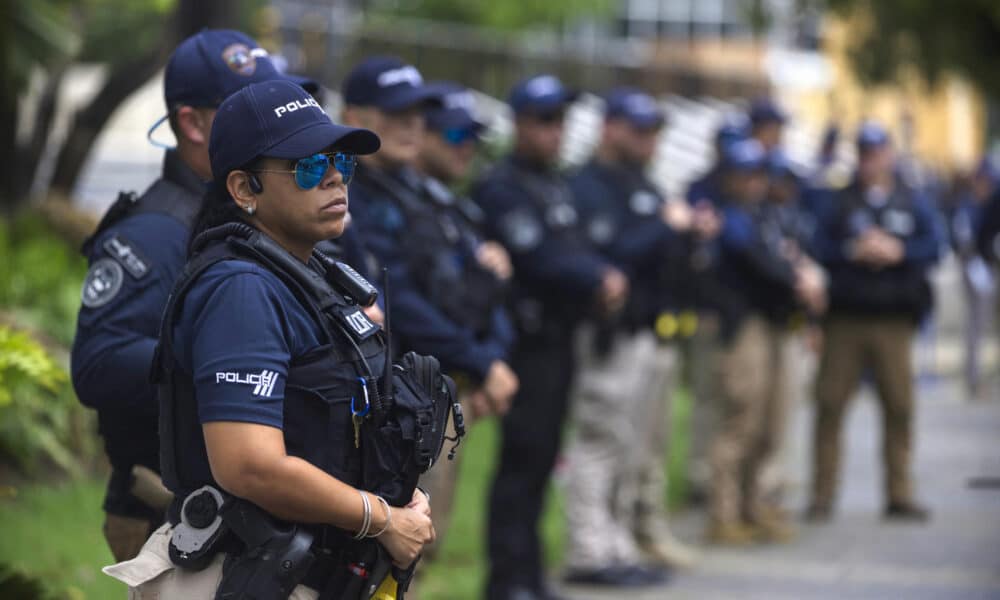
(644, 202)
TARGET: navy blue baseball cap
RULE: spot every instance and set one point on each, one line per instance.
(733, 129)
(872, 135)
(765, 110)
(388, 84)
(209, 66)
(746, 155)
(635, 106)
(457, 108)
(780, 166)
(540, 94)
(277, 119)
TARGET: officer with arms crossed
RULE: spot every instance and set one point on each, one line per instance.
(479, 269)
(616, 471)
(135, 255)
(447, 284)
(877, 239)
(763, 286)
(558, 280)
(444, 290)
(282, 439)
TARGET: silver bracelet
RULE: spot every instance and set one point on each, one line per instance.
(366, 519)
(388, 517)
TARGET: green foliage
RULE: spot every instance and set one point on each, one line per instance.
(33, 33)
(40, 277)
(52, 539)
(934, 37)
(512, 14)
(39, 420)
(120, 30)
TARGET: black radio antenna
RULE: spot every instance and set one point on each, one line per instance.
(387, 371)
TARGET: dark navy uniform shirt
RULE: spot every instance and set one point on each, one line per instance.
(133, 264)
(530, 210)
(239, 329)
(621, 213)
(860, 289)
(753, 269)
(418, 322)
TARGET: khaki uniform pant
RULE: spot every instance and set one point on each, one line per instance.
(151, 575)
(753, 395)
(705, 403)
(615, 476)
(126, 535)
(850, 345)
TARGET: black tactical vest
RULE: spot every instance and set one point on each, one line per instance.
(899, 290)
(440, 245)
(320, 384)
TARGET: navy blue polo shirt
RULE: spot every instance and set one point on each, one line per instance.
(239, 329)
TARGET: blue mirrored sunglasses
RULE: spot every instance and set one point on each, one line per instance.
(311, 170)
(457, 136)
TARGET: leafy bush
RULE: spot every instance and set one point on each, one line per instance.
(40, 277)
(39, 417)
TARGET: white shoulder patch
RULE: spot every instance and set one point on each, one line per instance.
(103, 282)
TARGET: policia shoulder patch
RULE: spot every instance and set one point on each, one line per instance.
(127, 255)
(103, 281)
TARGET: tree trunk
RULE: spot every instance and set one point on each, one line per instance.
(10, 182)
(88, 122)
(190, 17)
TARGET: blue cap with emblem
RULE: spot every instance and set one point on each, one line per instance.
(457, 109)
(635, 106)
(277, 119)
(209, 66)
(746, 155)
(765, 110)
(872, 135)
(388, 84)
(540, 94)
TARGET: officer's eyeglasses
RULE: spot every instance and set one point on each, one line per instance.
(457, 136)
(311, 170)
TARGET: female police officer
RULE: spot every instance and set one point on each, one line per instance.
(268, 373)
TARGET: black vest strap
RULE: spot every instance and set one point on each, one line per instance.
(163, 197)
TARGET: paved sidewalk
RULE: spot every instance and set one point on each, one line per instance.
(956, 555)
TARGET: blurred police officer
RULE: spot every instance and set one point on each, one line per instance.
(616, 471)
(763, 284)
(447, 282)
(877, 241)
(444, 296)
(705, 193)
(978, 282)
(791, 230)
(445, 160)
(558, 279)
(707, 188)
(767, 123)
(135, 255)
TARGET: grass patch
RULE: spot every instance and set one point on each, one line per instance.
(53, 534)
(459, 570)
